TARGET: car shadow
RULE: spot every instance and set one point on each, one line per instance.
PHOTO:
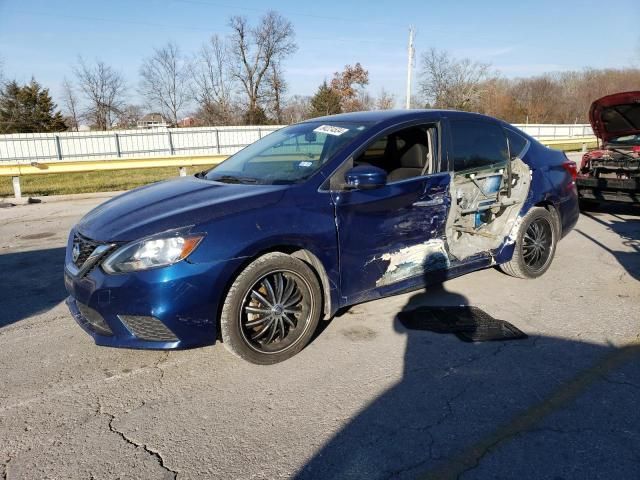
(31, 283)
(627, 229)
(461, 405)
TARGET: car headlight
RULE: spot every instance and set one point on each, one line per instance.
(156, 251)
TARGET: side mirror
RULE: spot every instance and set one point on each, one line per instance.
(365, 177)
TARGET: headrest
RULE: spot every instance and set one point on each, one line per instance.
(414, 157)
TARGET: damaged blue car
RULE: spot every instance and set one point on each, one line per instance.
(312, 218)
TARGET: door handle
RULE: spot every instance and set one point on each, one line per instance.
(429, 203)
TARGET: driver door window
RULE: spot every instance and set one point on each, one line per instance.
(403, 154)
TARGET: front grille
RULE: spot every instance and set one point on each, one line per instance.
(148, 328)
(86, 249)
(86, 254)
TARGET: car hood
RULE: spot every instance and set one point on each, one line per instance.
(172, 204)
(616, 115)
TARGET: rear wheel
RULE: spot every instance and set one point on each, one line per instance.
(535, 245)
(272, 309)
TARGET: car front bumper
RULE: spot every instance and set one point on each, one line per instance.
(616, 190)
(165, 308)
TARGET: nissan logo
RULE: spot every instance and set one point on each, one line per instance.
(75, 253)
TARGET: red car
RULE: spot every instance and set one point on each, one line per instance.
(612, 172)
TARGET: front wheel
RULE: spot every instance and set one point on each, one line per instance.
(535, 247)
(272, 309)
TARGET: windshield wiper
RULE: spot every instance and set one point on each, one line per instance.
(234, 179)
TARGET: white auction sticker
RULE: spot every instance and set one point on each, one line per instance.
(330, 130)
(305, 164)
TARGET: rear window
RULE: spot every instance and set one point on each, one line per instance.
(477, 145)
(517, 144)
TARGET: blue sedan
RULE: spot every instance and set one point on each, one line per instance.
(314, 217)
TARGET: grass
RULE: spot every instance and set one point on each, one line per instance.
(104, 181)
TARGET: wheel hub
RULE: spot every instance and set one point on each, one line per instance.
(275, 312)
(537, 243)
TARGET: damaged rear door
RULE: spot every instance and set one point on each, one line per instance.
(388, 237)
(489, 188)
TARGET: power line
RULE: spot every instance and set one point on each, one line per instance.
(108, 20)
(292, 14)
(179, 27)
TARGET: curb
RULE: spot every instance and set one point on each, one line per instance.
(10, 201)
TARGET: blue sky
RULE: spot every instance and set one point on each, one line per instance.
(44, 38)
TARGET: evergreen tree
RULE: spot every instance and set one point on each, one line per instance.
(28, 109)
(326, 101)
(257, 116)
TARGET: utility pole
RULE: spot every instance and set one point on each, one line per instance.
(411, 52)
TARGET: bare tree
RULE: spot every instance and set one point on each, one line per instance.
(253, 50)
(538, 97)
(277, 87)
(129, 115)
(364, 101)
(213, 85)
(561, 97)
(71, 104)
(448, 82)
(498, 99)
(165, 81)
(296, 109)
(104, 90)
(385, 100)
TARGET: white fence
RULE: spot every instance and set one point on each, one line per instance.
(123, 144)
(26, 148)
(542, 130)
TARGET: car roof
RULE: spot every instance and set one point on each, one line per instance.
(378, 116)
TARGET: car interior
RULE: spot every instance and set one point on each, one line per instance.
(403, 154)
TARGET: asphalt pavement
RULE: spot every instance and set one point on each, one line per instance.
(367, 398)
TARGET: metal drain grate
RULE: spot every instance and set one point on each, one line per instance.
(470, 324)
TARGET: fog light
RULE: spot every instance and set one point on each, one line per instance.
(95, 320)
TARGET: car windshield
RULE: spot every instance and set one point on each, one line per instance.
(630, 140)
(289, 155)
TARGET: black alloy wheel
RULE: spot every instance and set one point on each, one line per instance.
(275, 311)
(536, 245)
(272, 309)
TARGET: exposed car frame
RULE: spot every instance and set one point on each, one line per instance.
(611, 173)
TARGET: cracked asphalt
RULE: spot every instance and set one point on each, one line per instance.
(367, 398)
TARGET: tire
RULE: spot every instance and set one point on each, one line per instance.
(535, 247)
(261, 321)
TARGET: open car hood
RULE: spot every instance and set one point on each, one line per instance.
(616, 115)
